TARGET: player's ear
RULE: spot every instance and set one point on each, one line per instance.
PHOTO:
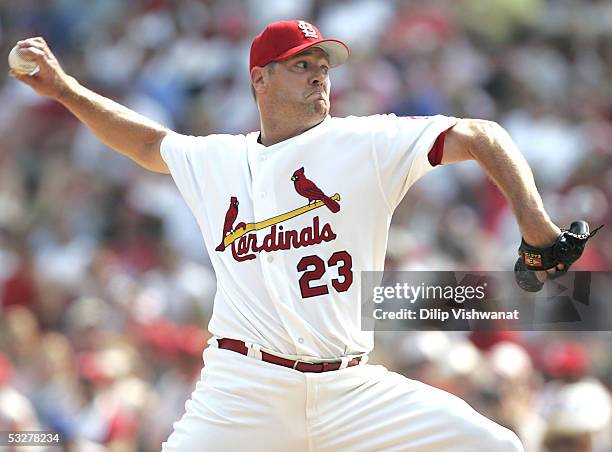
(258, 79)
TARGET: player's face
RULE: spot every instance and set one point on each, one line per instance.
(301, 83)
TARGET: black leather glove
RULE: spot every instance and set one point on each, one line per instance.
(566, 250)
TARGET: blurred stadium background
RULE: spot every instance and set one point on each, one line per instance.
(105, 288)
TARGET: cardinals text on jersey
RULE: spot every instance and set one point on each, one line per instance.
(245, 246)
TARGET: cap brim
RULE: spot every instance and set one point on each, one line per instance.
(336, 50)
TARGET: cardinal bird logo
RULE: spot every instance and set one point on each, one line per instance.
(230, 217)
(309, 190)
(244, 242)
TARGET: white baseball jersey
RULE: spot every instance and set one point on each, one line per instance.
(289, 227)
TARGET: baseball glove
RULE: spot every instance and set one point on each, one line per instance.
(566, 250)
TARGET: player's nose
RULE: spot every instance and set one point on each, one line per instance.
(318, 77)
(316, 80)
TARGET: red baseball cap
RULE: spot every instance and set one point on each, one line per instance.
(281, 40)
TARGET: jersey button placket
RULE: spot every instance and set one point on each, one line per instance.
(260, 203)
(264, 208)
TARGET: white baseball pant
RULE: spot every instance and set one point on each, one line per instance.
(244, 404)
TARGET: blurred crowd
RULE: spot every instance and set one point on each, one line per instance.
(105, 287)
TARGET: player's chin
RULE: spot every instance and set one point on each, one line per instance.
(320, 107)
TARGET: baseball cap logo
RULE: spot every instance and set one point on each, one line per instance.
(308, 30)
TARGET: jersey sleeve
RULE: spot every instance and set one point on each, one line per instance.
(178, 152)
(401, 150)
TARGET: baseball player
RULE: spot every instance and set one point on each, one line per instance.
(291, 214)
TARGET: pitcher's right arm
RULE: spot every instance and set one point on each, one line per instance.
(118, 127)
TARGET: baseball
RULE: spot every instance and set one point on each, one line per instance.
(20, 64)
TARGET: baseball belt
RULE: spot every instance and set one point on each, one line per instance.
(241, 347)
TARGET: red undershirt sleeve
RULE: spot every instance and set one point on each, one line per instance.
(437, 150)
